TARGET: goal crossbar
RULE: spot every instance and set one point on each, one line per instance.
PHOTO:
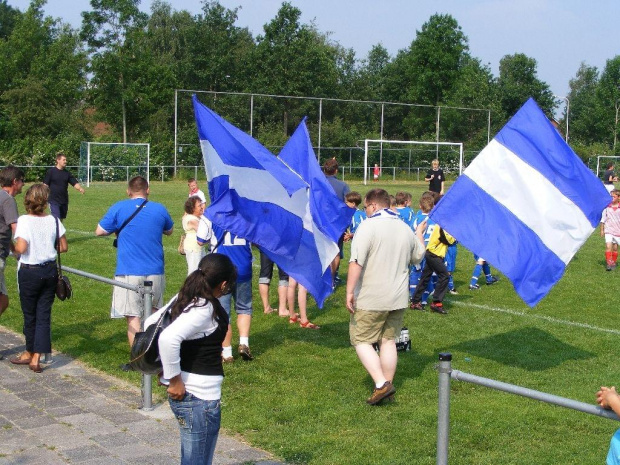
(409, 142)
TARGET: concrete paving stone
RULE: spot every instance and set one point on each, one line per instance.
(146, 428)
(35, 456)
(132, 451)
(59, 412)
(13, 440)
(61, 436)
(91, 402)
(90, 424)
(10, 402)
(34, 422)
(107, 461)
(117, 439)
(48, 403)
(27, 411)
(5, 423)
(122, 419)
(244, 455)
(84, 453)
(36, 394)
(161, 459)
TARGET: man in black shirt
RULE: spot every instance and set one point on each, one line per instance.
(58, 179)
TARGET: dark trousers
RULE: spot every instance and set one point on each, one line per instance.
(434, 263)
(37, 288)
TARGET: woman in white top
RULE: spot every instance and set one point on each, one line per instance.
(37, 276)
(190, 349)
(194, 209)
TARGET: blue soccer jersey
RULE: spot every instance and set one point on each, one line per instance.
(222, 241)
(430, 225)
(407, 215)
(356, 220)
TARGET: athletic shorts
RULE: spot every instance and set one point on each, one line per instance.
(610, 239)
(366, 327)
(451, 259)
(2, 281)
(266, 272)
(242, 293)
(129, 303)
(59, 210)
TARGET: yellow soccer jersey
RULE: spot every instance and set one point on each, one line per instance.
(436, 246)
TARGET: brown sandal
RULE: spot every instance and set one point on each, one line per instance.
(20, 361)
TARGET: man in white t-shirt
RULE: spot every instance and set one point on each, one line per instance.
(382, 250)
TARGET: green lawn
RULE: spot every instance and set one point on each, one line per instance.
(303, 396)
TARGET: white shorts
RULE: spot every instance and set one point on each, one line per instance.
(610, 239)
(129, 303)
(609, 187)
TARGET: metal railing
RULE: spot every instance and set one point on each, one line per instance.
(446, 373)
(146, 293)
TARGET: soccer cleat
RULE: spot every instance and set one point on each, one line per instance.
(228, 359)
(608, 267)
(492, 280)
(416, 306)
(437, 307)
(473, 287)
(245, 353)
(453, 291)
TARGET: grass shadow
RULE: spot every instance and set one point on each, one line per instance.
(528, 348)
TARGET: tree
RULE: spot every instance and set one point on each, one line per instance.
(8, 18)
(114, 66)
(584, 122)
(608, 102)
(518, 81)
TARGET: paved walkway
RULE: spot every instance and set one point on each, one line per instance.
(72, 414)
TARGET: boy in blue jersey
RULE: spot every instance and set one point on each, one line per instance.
(240, 253)
(481, 266)
(354, 199)
(403, 210)
(426, 205)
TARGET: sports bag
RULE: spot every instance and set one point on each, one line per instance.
(63, 286)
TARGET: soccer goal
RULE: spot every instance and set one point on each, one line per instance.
(418, 154)
(601, 163)
(113, 161)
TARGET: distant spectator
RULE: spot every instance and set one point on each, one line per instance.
(58, 179)
(376, 173)
(194, 207)
(192, 185)
(35, 241)
(609, 177)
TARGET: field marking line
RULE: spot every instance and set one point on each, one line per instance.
(539, 317)
(79, 231)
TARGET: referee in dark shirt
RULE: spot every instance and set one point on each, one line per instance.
(58, 179)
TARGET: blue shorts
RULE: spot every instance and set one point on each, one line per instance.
(451, 259)
(59, 210)
(243, 299)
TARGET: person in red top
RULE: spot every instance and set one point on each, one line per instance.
(610, 229)
(376, 172)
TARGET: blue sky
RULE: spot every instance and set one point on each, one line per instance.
(559, 34)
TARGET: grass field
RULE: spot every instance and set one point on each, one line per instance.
(303, 397)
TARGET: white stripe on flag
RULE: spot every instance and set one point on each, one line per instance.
(554, 218)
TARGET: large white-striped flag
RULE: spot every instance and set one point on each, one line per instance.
(255, 196)
(526, 204)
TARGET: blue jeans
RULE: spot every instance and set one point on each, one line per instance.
(199, 422)
(242, 292)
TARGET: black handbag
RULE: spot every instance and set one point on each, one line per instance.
(63, 286)
(144, 355)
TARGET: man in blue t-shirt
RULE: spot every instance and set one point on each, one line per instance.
(240, 253)
(140, 253)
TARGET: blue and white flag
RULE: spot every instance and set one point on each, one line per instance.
(526, 204)
(255, 196)
(329, 215)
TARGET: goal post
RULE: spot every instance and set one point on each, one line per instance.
(382, 143)
(113, 161)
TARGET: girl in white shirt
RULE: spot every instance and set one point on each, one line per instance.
(191, 353)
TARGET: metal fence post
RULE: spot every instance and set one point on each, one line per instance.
(443, 411)
(147, 386)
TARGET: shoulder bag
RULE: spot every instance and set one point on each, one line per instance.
(144, 355)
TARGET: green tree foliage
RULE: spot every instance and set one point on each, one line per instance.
(608, 103)
(8, 18)
(583, 120)
(111, 29)
(518, 81)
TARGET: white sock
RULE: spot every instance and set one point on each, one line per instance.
(227, 351)
(244, 341)
(379, 385)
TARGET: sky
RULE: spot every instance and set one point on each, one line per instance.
(559, 34)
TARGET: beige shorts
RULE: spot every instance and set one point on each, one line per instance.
(2, 281)
(366, 327)
(129, 303)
